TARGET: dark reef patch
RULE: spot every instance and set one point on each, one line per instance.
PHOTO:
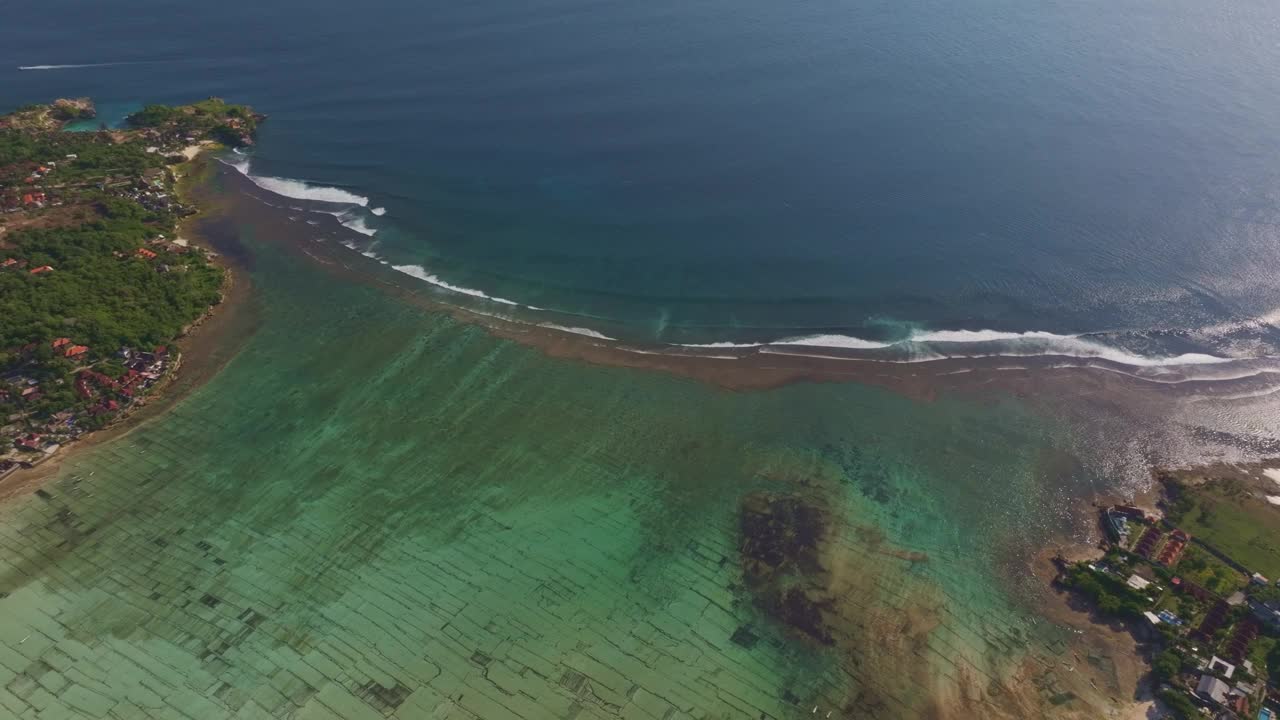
(781, 538)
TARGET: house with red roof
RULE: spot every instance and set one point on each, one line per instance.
(42, 269)
(75, 350)
(59, 342)
(30, 441)
(145, 253)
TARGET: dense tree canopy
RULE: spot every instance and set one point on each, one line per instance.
(97, 155)
(100, 294)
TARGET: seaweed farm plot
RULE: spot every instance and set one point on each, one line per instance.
(377, 512)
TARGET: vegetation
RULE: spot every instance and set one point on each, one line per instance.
(85, 260)
(1109, 592)
(101, 294)
(1264, 653)
(231, 125)
(1209, 572)
(97, 156)
(1186, 642)
(1226, 514)
(1180, 705)
(1169, 664)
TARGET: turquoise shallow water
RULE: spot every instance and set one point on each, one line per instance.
(378, 512)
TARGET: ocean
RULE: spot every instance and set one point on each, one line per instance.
(713, 172)
(1042, 235)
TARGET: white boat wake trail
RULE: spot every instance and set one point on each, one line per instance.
(83, 65)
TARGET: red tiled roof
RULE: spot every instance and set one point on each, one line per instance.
(75, 350)
(42, 269)
(60, 342)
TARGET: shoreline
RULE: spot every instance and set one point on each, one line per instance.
(205, 346)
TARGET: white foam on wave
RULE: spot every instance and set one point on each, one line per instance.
(576, 331)
(720, 345)
(379, 211)
(833, 341)
(1024, 344)
(981, 336)
(358, 224)
(298, 189)
(421, 273)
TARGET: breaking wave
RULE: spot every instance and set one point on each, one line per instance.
(421, 273)
(358, 224)
(577, 331)
(972, 344)
(299, 189)
(918, 345)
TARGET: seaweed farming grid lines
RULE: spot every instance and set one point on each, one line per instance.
(357, 617)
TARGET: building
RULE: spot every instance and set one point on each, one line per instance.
(1212, 621)
(1268, 612)
(75, 350)
(1238, 702)
(30, 441)
(1147, 543)
(1220, 666)
(41, 269)
(1245, 633)
(1173, 548)
(1137, 583)
(59, 342)
(1213, 689)
(1117, 526)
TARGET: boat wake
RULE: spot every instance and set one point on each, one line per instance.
(73, 66)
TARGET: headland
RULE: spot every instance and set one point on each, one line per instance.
(108, 284)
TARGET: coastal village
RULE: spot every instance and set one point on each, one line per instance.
(1179, 579)
(90, 255)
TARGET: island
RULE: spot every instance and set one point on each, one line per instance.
(96, 280)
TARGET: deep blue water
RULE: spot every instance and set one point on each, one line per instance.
(709, 170)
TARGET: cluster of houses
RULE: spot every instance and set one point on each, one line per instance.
(1217, 633)
(29, 191)
(25, 442)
